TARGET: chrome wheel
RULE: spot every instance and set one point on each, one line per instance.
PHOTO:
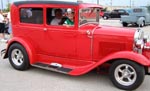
(17, 57)
(125, 74)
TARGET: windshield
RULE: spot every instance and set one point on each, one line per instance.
(88, 15)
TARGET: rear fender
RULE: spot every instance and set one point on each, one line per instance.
(140, 20)
(26, 44)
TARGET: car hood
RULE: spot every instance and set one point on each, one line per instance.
(114, 31)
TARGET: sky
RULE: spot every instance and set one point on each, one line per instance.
(102, 2)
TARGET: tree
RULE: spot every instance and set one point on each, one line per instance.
(104, 9)
(7, 8)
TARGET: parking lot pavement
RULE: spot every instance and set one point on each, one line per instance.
(36, 79)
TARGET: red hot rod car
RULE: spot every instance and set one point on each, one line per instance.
(76, 44)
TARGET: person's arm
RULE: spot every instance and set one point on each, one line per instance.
(2, 18)
(53, 22)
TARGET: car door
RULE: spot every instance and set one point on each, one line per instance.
(121, 12)
(147, 14)
(59, 40)
(114, 14)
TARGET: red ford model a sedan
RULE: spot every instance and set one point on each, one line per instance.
(55, 35)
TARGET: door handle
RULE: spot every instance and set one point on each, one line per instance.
(70, 34)
(45, 29)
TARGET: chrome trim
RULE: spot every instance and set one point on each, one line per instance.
(47, 68)
(125, 74)
(92, 40)
(147, 47)
(139, 34)
(88, 32)
(138, 41)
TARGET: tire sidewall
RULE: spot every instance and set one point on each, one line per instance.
(105, 17)
(124, 24)
(25, 64)
(139, 71)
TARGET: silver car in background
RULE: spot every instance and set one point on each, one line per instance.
(138, 16)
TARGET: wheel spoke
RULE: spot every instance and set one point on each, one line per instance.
(129, 79)
(132, 73)
(20, 60)
(16, 53)
(121, 78)
(126, 67)
(120, 70)
(20, 53)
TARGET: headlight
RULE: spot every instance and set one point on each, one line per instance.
(139, 35)
(139, 44)
(139, 40)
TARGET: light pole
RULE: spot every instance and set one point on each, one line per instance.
(111, 4)
(2, 4)
(130, 3)
(98, 2)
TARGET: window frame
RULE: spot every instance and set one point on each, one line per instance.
(61, 26)
(31, 24)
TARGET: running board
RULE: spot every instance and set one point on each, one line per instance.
(52, 67)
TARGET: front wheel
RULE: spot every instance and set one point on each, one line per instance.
(126, 75)
(18, 57)
(105, 17)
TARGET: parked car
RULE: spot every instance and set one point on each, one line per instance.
(139, 16)
(116, 13)
(78, 48)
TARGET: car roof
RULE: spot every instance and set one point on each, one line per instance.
(17, 3)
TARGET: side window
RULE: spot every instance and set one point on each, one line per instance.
(121, 11)
(31, 15)
(60, 16)
(115, 11)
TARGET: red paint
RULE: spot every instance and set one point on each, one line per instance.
(71, 46)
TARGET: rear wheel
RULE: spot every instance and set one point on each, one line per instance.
(142, 24)
(18, 57)
(126, 75)
(124, 24)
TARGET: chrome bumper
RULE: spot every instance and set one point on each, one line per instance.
(3, 52)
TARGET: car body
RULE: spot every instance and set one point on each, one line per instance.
(77, 49)
(116, 13)
(139, 16)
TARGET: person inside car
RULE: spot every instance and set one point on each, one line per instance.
(58, 17)
(70, 15)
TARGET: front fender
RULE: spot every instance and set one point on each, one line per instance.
(128, 55)
(26, 44)
(138, 58)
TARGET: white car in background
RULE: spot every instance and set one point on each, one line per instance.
(138, 16)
